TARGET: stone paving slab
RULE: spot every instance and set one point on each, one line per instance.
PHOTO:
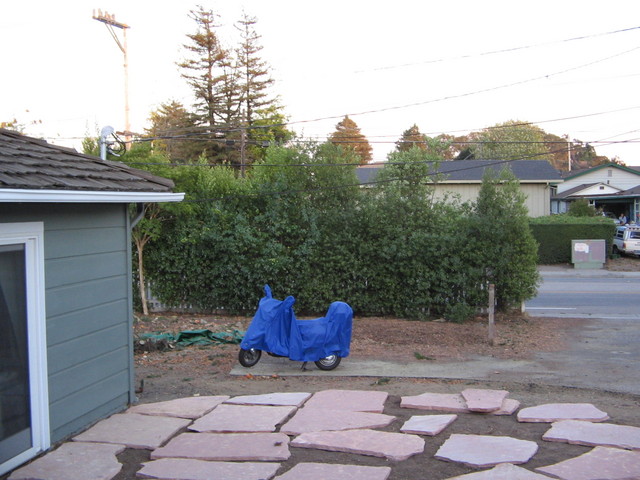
(293, 399)
(598, 464)
(242, 418)
(88, 461)
(504, 471)
(351, 400)
(189, 469)
(250, 447)
(446, 402)
(320, 419)
(553, 412)
(483, 400)
(486, 451)
(427, 424)
(190, 407)
(134, 430)
(394, 446)
(509, 406)
(594, 434)
(324, 471)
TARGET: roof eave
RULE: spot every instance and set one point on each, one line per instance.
(10, 195)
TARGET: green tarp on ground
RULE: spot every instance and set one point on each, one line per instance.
(195, 337)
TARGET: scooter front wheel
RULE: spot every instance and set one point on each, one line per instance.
(328, 363)
(248, 358)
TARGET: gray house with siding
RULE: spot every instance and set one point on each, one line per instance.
(66, 316)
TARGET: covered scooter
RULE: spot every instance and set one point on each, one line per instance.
(276, 331)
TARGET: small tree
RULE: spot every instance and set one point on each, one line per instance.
(505, 249)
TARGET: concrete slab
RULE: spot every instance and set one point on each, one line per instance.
(350, 400)
(88, 461)
(239, 447)
(594, 434)
(446, 402)
(294, 399)
(324, 471)
(190, 407)
(504, 471)
(597, 464)
(483, 400)
(242, 418)
(188, 469)
(321, 419)
(486, 451)
(427, 424)
(134, 430)
(553, 412)
(394, 446)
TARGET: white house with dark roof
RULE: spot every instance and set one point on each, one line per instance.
(612, 188)
(66, 308)
(537, 178)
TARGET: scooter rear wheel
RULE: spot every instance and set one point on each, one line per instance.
(328, 363)
(248, 358)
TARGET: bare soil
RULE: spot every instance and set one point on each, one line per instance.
(166, 372)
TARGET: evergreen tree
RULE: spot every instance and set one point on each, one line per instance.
(411, 138)
(204, 71)
(253, 72)
(505, 250)
(511, 140)
(348, 136)
(174, 132)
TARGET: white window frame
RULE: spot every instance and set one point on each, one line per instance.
(31, 235)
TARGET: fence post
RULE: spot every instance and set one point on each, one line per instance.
(492, 302)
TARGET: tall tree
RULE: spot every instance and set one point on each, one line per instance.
(253, 72)
(205, 68)
(348, 136)
(511, 140)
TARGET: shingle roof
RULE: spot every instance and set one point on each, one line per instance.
(473, 170)
(33, 164)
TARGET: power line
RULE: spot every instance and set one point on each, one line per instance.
(494, 52)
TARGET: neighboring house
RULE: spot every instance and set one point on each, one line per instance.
(612, 188)
(66, 316)
(464, 177)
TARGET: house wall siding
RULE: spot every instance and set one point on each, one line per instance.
(538, 201)
(87, 289)
(619, 178)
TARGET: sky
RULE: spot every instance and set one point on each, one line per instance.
(571, 67)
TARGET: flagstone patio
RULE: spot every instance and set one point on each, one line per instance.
(252, 436)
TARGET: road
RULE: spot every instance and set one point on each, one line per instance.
(614, 295)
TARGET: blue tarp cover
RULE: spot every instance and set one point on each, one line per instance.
(275, 329)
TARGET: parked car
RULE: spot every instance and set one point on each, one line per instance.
(626, 241)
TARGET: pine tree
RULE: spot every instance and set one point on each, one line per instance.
(205, 70)
(348, 136)
(253, 72)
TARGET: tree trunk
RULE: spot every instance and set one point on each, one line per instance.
(141, 283)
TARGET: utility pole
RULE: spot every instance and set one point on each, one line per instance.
(110, 22)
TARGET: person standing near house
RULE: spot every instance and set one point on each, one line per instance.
(623, 219)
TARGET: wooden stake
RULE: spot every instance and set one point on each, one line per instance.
(492, 302)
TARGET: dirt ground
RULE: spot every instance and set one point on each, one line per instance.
(174, 372)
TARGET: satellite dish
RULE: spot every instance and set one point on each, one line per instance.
(106, 131)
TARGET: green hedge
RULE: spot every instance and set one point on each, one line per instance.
(555, 233)
(301, 223)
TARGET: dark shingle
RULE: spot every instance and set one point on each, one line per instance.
(30, 163)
